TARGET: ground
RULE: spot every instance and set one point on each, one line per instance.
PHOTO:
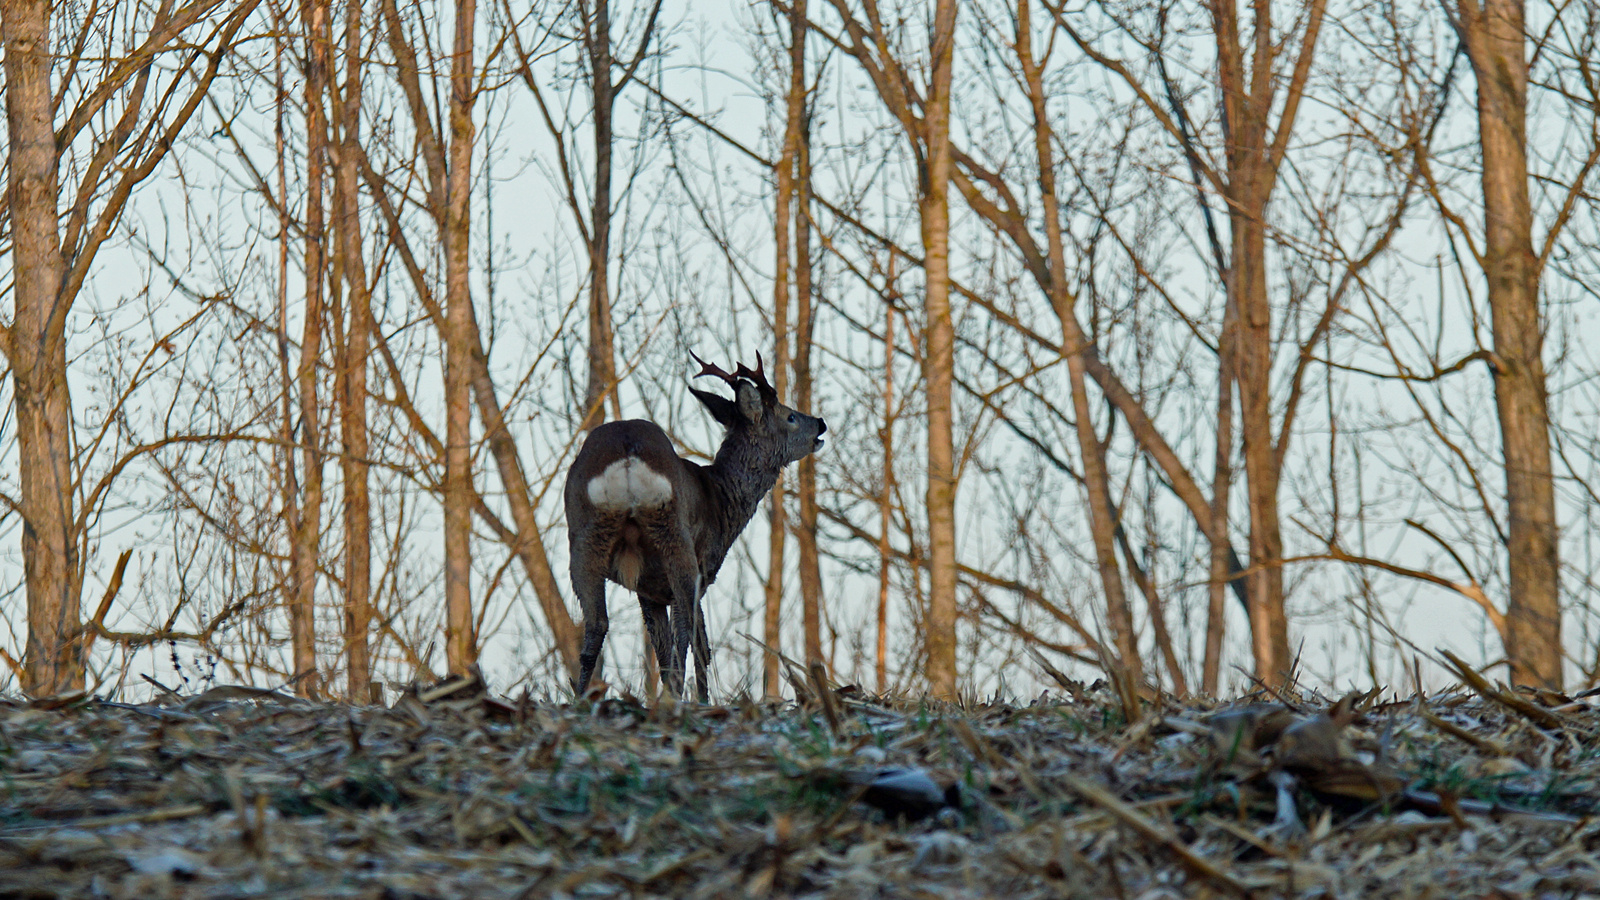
(449, 792)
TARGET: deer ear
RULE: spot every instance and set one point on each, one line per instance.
(722, 409)
(751, 406)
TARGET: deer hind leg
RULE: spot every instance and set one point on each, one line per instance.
(591, 590)
(590, 559)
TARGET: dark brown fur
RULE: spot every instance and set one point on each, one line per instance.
(678, 546)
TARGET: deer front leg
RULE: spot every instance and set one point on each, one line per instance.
(659, 629)
(685, 612)
(702, 653)
(674, 550)
(684, 577)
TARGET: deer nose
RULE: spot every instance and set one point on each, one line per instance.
(822, 427)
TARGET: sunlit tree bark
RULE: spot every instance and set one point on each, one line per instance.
(938, 364)
(886, 489)
(1261, 88)
(461, 641)
(925, 121)
(36, 348)
(1249, 84)
(1493, 34)
(810, 568)
(352, 367)
(308, 532)
(783, 220)
(525, 539)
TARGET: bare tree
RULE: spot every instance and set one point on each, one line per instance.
(887, 488)
(51, 256)
(1210, 254)
(804, 339)
(524, 536)
(1255, 153)
(1493, 36)
(306, 551)
(1102, 524)
(353, 361)
(595, 31)
(461, 642)
(926, 123)
(797, 153)
(1257, 123)
(784, 220)
(938, 364)
(35, 345)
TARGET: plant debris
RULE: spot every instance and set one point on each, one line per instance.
(452, 792)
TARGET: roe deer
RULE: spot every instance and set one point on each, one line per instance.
(660, 525)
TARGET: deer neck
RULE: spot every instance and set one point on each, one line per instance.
(743, 472)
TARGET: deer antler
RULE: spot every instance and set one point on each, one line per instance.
(754, 376)
(758, 379)
(709, 369)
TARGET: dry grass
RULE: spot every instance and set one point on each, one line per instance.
(450, 793)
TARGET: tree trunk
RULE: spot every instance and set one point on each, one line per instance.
(527, 542)
(886, 497)
(1102, 520)
(1494, 36)
(806, 480)
(1218, 534)
(1254, 154)
(1269, 633)
(286, 371)
(602, 356)
(35, 346)
(783, 211)
(353, 372)
(302, 603)
(938, 362)
(772, 611)
(460, 641)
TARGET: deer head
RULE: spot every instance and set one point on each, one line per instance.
(642, 517)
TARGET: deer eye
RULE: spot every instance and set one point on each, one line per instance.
(791, 418)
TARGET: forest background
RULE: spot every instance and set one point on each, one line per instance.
(1204, 343)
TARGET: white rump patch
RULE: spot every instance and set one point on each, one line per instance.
(628, 484)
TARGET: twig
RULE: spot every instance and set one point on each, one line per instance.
(1131, 817)
(830, 705)
(112, 589)
(1473, 679)
(1073, 687)
(182, 811)
(1487, 745)
(797, 676)
(450, 686)
(163, 688)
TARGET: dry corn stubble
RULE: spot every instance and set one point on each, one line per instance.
(450, 792)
